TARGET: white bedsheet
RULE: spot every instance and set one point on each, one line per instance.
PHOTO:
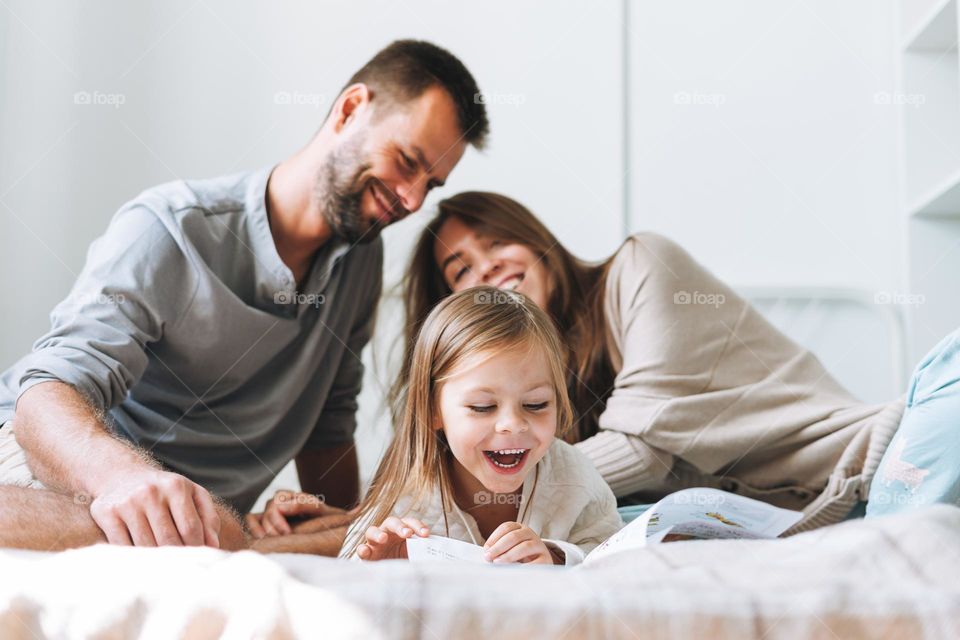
(893, 578)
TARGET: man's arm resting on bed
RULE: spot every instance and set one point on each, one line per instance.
(322, 543)
(69, 448)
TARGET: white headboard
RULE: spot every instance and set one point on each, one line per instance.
(856, 334)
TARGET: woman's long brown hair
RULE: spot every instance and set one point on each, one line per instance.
(575, 304)
(481, 320)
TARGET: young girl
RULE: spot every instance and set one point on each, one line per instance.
(475, 456)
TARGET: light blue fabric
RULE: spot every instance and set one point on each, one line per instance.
(922, 463)
(634, 511)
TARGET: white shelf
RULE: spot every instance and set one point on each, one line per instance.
(928, 96)
(941, 201)
(931, 24)
(930, 116)
(929, 101)
(933, 268)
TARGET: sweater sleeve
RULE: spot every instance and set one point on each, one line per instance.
(625, 461)
(136, 281)
(670, 322)
(597, 521)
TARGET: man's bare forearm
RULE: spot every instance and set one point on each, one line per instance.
(66, 443)
(70, 449)
(49, 521)
(44, 521)
(233, 537)
(321, 543)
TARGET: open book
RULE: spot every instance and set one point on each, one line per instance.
(699, 514)
(691, 514)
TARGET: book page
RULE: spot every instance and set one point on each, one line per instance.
(697, 514)
(441, 549)
(712, 513)
(632, 536)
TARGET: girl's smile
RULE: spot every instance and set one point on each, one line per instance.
(507, 460)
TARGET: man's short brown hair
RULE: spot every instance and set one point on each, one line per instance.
(404, 69)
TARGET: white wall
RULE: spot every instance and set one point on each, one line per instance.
(64, 168)
(782, 169)
(760, 140)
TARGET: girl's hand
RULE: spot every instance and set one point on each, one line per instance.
(514, 542)
(389, 540)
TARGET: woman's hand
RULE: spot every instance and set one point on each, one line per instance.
(295, 505)
(515, 542)
(389, 540)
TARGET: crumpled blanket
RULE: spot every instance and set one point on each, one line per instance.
(895, 577)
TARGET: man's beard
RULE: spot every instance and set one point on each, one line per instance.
(339, 191)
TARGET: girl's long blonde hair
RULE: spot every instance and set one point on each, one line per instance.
(481, 320)
(575, 304)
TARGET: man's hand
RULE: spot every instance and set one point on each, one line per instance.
(284, 506)
(69, 448)
(514, 542)
(151, 507)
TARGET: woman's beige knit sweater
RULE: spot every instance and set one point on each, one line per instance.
(708, 393)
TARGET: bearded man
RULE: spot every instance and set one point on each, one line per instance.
(215, 331)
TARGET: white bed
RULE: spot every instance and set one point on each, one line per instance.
(885, 578)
